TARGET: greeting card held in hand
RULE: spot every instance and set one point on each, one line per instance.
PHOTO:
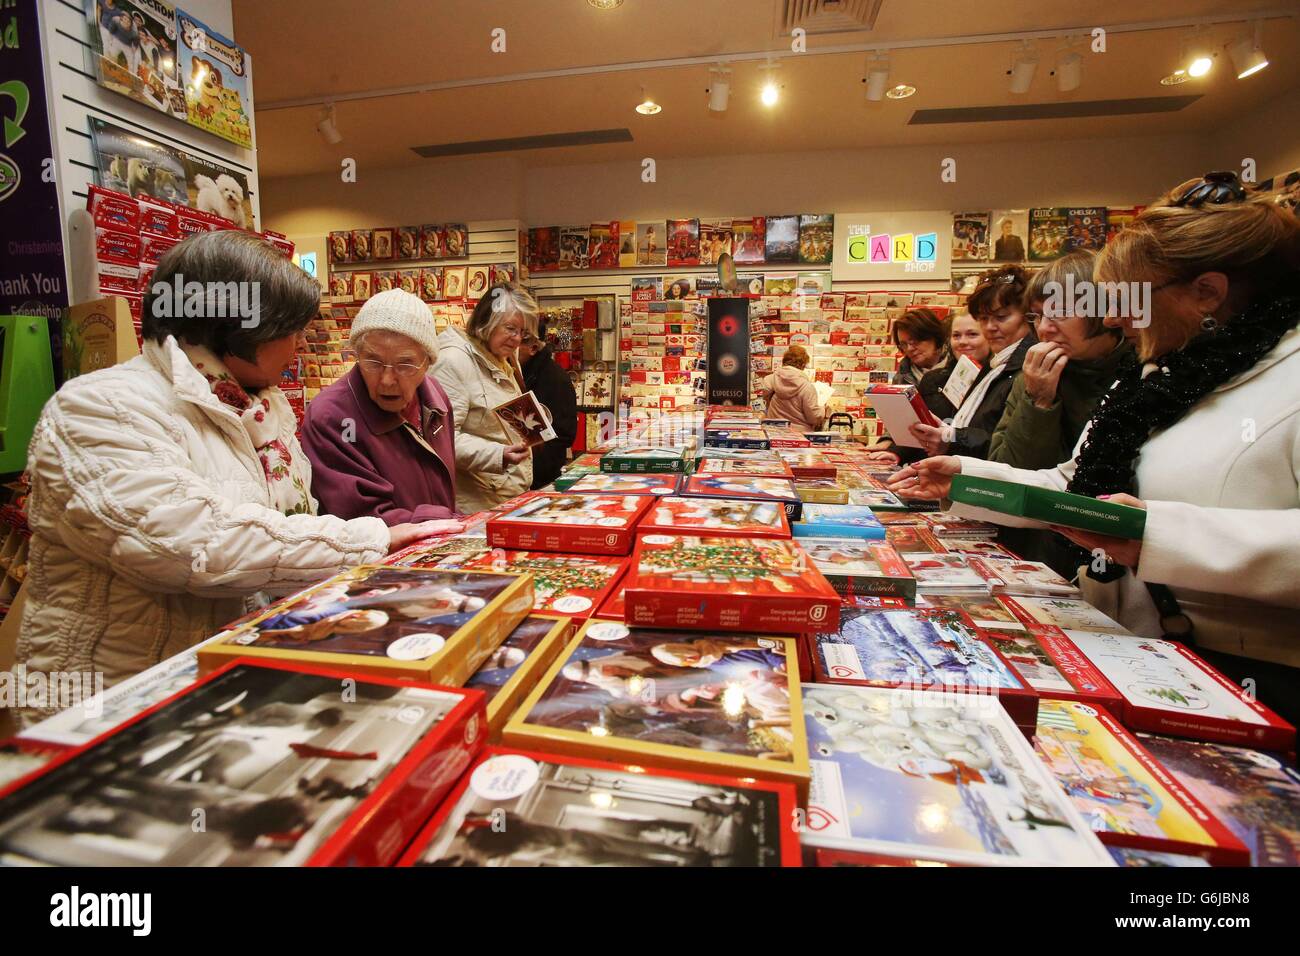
(526, 417)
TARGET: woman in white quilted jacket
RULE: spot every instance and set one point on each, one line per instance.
(169, 491)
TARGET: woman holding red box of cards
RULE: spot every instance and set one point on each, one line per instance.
(169, 492)
(1205, 428)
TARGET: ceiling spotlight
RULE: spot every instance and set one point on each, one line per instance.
(606, 4)
(1248, 52)
(771, 91)
(1069, 70)
(648, 107)
(1174, 78)
(327, 128)
(1198, 60)
(1023, 65)
(719, 88)
(900, 92)
(877, 77)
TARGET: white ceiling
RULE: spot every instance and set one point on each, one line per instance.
(316, 50)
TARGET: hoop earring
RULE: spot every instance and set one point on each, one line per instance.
(1209, 323)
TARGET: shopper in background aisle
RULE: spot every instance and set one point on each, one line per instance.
(790, 394)
(381, 440)
(920, 336)
(169, 490)
(554, 389)
(996, 304)
(479, 369)
(1206, 430)
(1075, 361)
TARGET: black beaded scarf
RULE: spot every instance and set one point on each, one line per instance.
(1136, 406)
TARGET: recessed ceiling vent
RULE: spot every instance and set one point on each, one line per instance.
(1048, 111)
(590, 137)
(819, 17)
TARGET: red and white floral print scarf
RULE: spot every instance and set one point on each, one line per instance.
(284, 477)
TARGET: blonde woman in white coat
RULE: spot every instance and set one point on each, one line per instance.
(169, 491)
(1205, 436)
(479, 370)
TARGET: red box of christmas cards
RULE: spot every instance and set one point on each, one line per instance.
(716, 516)
(618, 483)
(709, 703)
(926, 651)
(282, 763)
(1050, 663)
(521, 808)
(856, 566)
(1167, 689)
(570, 584)
(723, 583)
(581, 524)
(774, 468)
(746, 487)
(1124, 793)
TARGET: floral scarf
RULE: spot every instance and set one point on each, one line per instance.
(284, 481)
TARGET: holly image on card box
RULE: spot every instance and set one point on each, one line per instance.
(280, 767)
(671, 699)
(948, 778)
(569, 584)
(517, 808)
(760, 584)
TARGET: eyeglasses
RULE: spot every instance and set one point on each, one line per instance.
(401, 369)
(1033, 318)
(512, 331)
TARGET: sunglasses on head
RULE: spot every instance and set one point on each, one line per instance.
(1216, 189)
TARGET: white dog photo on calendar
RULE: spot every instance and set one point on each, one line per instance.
(224, 196)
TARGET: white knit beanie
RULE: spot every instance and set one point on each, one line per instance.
(400, 312)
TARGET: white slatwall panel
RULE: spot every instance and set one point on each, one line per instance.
(75, 96)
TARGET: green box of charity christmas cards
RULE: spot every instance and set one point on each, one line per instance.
(1049, 506)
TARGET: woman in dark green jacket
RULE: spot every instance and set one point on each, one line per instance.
(1075, 361)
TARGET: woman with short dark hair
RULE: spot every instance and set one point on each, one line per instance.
(920, 336)
(168, 491)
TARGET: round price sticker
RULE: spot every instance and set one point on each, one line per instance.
(505, 777)
(607, 631)
(416, 647)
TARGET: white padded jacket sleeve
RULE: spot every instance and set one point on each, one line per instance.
(134, 502)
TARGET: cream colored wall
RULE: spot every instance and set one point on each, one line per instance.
(1270, 136)
(994, 175)
(486, 188)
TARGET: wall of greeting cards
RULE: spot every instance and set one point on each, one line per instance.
(449, 265)
(155, 150)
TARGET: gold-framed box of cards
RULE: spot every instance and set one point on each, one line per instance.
(419, 624)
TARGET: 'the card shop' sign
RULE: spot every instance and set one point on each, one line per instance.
(728, 376)
(917, 251)
(892, 246)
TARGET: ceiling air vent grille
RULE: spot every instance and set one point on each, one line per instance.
(1048, 111)
(826, 16)
(591, 137)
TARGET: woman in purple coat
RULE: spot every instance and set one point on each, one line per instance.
(381, 439)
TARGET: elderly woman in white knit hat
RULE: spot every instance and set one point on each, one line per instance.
(382, 439)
